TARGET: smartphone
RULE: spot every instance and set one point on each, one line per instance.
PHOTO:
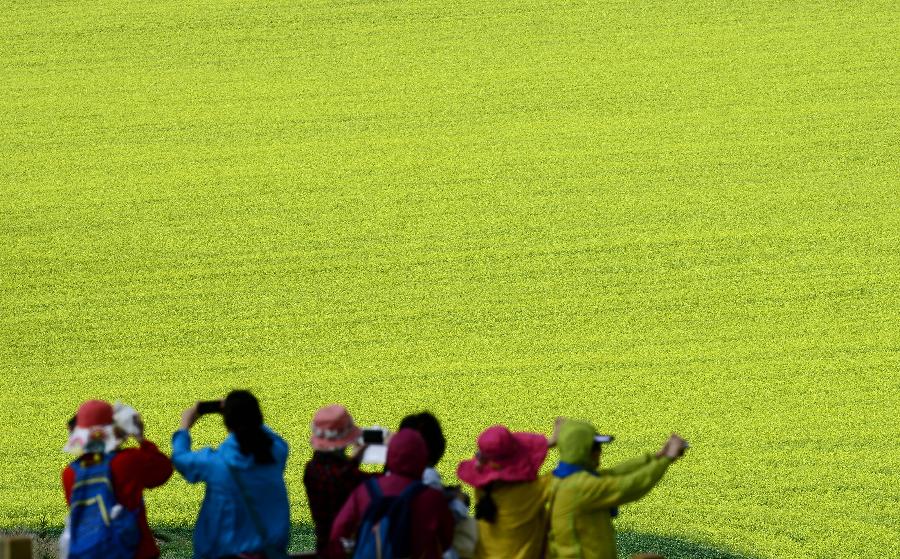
(376, 451)
(208, 407)
(373, 435)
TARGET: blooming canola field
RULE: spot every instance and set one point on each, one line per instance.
(655, 216)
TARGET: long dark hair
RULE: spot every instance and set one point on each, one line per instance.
(244, 418)
(486, 508)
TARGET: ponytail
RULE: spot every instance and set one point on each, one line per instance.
(244, 418)
(255, 442)
(486, 508)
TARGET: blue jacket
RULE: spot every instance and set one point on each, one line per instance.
(224, 527)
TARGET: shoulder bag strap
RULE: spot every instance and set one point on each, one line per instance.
(271, 551)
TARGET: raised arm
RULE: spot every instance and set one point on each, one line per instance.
(611, 489)
(628, 466)
(633, 479)
(152, 467)
(192, 466)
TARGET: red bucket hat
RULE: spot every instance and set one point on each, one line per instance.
(333, 428)
(504, 456)
(94, 413)
(94, 430)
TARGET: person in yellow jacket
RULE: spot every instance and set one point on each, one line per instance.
(511, 497)
(583, 499)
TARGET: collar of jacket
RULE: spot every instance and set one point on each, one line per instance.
(565, 469)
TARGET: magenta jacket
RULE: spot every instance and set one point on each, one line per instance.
(432, 528)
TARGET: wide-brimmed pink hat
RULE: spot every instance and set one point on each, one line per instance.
(333, 428)
(504, 456)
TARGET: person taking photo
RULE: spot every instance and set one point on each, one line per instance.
(583, 498)
(104, 486)
(245, 511)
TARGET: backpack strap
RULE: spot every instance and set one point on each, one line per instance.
(406, 497)
(410, 490)
(78, 467)
(377, 502)
(374, 489)
(81, 471)
(401, 511)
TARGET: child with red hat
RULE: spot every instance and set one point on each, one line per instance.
(95, 435)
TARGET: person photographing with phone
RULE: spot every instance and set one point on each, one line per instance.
(331, 475)
(584, 498)
(245, 512)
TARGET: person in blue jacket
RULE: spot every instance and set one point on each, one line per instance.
(245, 510)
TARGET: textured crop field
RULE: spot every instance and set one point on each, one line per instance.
(656, 216)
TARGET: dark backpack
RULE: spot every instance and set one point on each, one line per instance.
(97, 531)
(386, 527)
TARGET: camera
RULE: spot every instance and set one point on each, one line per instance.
(373, 435)
(208, 407)
(374, 438)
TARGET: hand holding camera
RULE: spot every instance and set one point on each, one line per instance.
(128, 423)
(372, 445)
(193, 413)
(673, 448)
(374, 435)
(554, 437)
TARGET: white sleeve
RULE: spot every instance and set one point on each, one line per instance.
(432, 478)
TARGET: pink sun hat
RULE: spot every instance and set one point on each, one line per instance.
(504, 456)
(333, 428)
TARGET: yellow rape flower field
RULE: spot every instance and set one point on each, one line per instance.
(654, 216)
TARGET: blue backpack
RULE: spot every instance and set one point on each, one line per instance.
(385, 532)
(95, 533)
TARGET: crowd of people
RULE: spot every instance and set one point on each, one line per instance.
(406, 510)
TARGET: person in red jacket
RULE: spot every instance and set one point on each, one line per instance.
(330, 476)
(432, 521)
(132, 469)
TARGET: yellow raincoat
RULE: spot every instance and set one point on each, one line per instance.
(580, 522)
(521, 522)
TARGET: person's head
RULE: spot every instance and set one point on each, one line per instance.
(333, 429)
(430, 428)
(93, 429)
(580, 444)
(94, 413)
(596, 451)
(244, 419)
(407, 454)
(504, 456)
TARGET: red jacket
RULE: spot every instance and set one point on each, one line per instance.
(133, 470)
(432, 521)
